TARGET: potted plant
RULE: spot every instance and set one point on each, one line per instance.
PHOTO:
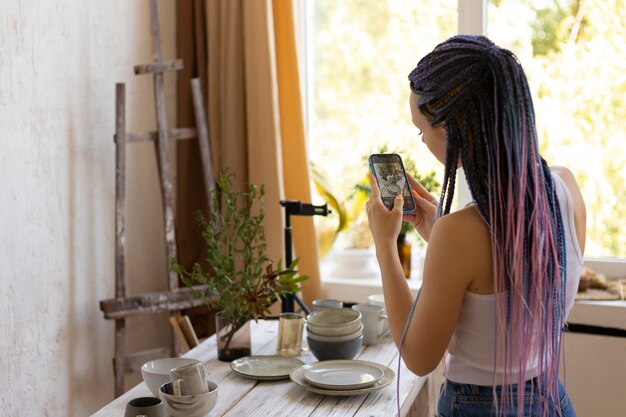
(242, 283)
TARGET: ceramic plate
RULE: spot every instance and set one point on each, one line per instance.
(265, 367)
(297, 376)
(343, 375)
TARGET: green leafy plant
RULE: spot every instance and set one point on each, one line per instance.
(242, 283)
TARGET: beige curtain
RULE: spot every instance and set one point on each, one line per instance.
(255, 116)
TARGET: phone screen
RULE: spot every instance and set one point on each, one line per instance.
(392, 180)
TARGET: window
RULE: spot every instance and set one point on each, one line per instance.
(573, 52)
(359, 53)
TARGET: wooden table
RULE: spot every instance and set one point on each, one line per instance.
(244, 397)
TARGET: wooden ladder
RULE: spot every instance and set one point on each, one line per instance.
(176, 299)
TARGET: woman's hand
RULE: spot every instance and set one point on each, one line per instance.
(425, 211)
(384, 224)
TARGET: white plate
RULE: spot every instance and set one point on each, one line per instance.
(267, 368)
(297, 376)
(343, 374)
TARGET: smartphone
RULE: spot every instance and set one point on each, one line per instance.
(390, 175)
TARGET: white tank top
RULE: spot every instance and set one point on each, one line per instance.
(470, 355)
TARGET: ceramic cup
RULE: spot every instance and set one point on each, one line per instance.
(374, 322)
(189, 379)
(290, 327)
(324, 304)
(145, 406)
(379, 299)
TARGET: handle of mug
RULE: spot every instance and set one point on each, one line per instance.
(176, 386)
(386, 328)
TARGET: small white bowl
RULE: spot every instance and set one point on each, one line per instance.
(197, 405)
(334, 321)
(157, 372)
(344, 338)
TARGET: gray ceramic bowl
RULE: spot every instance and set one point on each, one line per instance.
(197, 405)
(334, 322)
(324, 351)
(157, 372)
(350, 336)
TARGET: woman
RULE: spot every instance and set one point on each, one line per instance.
(501, 274)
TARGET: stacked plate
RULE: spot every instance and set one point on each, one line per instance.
(342, 377)
(334, 333)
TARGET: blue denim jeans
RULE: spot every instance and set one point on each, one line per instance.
(467, 400)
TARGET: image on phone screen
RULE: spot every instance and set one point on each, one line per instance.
(391, 177)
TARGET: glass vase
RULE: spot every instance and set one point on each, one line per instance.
(233, 338)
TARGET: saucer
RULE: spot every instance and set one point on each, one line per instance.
(268, 368)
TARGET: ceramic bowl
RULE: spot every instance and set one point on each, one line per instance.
(323, 351)
(334, 322)
(157, 372)
(197, 405)
(350, 336)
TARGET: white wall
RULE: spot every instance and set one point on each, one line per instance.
(59, 62)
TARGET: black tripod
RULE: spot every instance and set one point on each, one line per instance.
(296, 208)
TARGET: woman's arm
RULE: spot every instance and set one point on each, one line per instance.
(445, 279)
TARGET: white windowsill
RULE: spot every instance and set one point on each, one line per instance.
(598, 313)
(352, 289)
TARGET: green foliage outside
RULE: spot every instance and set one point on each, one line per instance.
(573, 52)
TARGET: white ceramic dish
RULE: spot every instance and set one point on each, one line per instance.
(157, 372)
(297, 376)
(267, 368)
(343, 375)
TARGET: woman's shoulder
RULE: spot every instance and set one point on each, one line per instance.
(461, 226)
(466, 229)
(580, 211)
(464, 237)
(564, 173)
(465, 220)
(572, 185)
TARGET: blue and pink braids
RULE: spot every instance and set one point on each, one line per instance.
(479, 92)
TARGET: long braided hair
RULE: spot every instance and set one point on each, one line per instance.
(479, 92)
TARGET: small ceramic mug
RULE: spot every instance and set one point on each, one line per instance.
(375, 324)
(378, 299)
(189, 379)
(324, 304)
